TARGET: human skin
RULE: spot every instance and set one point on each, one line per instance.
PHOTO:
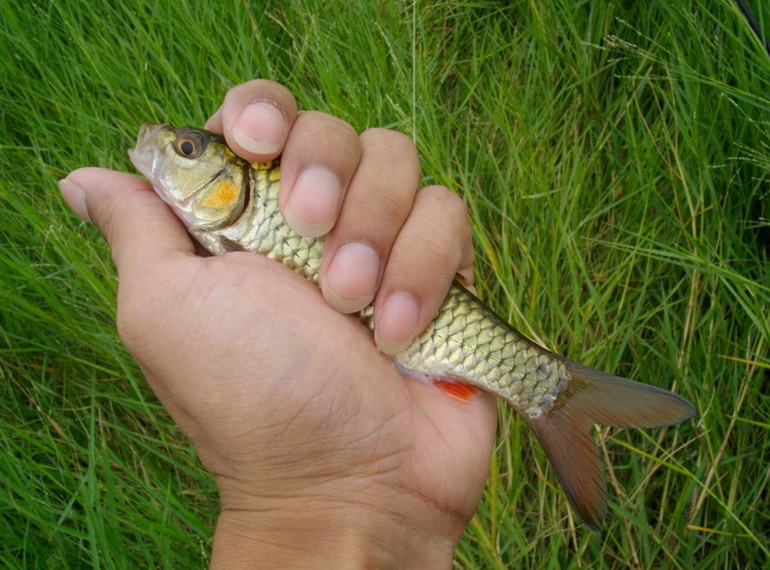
(323, 453)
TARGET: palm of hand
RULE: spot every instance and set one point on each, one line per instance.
(289, 396)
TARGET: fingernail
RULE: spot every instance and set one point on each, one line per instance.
(395, 322)
(314, 202)
(75, 198)
(350, 281)
(262, 118)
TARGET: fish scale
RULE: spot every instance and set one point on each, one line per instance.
(468, 342)
(229, 204)
(464, 342)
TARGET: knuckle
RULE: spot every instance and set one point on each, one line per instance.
(261, 89)
(323, 120)
(313, 126)
(448, 215)
(390, 140)
(391, 155)
(380, 209)
(450, 206)
(391, 207)
(455, 206)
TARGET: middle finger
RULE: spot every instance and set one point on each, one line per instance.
(378, 201)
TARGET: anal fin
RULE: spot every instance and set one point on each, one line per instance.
(455, 388)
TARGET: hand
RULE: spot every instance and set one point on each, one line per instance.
(321, 450)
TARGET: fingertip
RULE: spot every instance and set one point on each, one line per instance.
(433, 245)
(314, 202)
(255, 118)
(75, 197)
(396, 322)
(350, 280)
(214, 122)
(260, 129)
(320, 157)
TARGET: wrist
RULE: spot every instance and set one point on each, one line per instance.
(308, 533)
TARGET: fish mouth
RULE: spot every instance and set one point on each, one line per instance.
(143, 154)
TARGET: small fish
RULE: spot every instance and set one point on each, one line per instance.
(229, 204)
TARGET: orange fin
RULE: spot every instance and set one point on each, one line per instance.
(460, 390)
(595, 397)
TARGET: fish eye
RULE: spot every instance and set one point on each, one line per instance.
(190, 145)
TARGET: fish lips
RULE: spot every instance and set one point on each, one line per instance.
(143, 154)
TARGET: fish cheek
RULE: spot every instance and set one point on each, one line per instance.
(223, 195)
(222, 202)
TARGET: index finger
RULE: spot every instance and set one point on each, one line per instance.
(256, 118)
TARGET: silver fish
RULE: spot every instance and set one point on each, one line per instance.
(229, 204)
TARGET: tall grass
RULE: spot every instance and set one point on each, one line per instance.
(615, 160)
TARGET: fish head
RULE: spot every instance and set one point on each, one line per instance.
(194, 172)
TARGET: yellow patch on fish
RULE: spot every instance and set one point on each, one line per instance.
(221, 196)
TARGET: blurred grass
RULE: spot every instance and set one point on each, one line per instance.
(615, 160)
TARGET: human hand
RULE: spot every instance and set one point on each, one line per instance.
(321, 450)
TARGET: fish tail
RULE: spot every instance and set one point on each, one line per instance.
(595, 397)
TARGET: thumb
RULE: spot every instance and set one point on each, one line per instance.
(139, 228)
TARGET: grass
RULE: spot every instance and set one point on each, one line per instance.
(615, 160)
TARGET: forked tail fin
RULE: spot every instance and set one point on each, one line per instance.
(595, 397)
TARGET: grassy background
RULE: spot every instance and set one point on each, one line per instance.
(615, 157)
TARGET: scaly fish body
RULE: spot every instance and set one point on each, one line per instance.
(228, 204)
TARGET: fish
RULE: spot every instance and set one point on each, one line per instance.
(229, 204)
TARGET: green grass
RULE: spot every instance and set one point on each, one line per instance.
(615, 157)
